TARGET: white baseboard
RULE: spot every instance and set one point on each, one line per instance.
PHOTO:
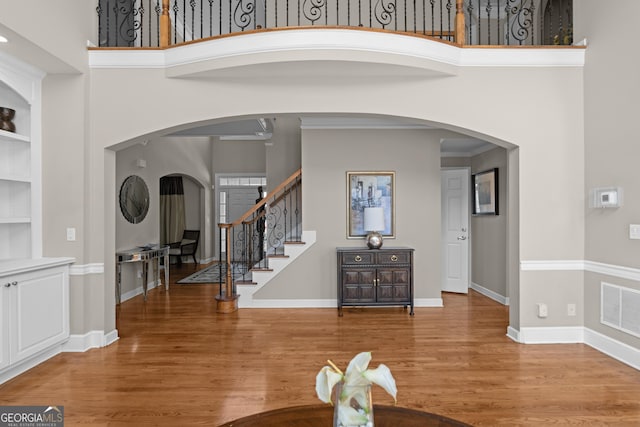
(578, 335)
(293, 303)
(28, 363)
(613, 348)
(138, 291)
(322, 303)
(552, 335)
(513, 333)
(92, 339)
(489, 293)
(428, 302)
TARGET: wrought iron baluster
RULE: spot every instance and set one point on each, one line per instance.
(242, 13)
(488, 9)
(312, 10)
(176, 9)
(507, 10)
(415, 13)
(210, 17)
(479, 24)
(449, 7)
(383, 12)
(424, 18)
(498, 10)
(441, 18)
(468, 22)
(433, 17)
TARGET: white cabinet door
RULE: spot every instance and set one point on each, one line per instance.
(40, 311)
(5, 292)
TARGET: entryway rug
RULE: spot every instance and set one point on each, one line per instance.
(215, 274)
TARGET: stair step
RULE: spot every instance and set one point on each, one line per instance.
(278, 256)
(245, 282)
(294, 242)
(261, 269)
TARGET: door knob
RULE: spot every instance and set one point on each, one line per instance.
(462, 237)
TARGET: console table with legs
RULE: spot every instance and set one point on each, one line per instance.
(143, 254)
(375, 277)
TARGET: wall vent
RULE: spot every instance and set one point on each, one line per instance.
(620, 308)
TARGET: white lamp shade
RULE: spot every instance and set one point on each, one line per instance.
(373, 219)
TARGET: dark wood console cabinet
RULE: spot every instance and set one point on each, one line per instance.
(375, 277)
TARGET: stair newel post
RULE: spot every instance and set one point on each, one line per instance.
(227, 303)
(165, 25)
(459, 36)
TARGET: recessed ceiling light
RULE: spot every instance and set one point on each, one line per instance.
(3, 39)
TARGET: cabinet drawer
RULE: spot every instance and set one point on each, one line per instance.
(355, 258)
(394, 257)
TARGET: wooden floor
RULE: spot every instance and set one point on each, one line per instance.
(178, 363)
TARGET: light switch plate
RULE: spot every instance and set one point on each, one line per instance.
(634, 231)
(71, 234)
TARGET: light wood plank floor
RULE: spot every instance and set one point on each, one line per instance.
(178, 363)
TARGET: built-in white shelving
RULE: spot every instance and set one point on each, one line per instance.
(20, 187)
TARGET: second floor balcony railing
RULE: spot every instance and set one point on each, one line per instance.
(160, 23)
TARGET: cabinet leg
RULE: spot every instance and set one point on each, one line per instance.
(339, 311)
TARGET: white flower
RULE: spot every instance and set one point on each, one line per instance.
(357, 374)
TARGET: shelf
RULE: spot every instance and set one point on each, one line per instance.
(11, 136)
(15, 220)
(15, 178)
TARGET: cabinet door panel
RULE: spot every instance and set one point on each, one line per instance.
(41, 311)
(4, 324)
(358, 285)
(393, 284)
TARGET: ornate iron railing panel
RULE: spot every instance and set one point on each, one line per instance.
(518, 22)
(135, 23)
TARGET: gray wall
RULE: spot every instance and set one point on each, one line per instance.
(327, 155)
(611, 149)
(489, 232)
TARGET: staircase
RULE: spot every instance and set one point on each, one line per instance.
(260, 277)
(261, 243)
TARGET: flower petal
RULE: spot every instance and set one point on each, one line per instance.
(359, 364)
(382, 376)
(325, 380)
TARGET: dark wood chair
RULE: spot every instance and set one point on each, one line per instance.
(187, 246)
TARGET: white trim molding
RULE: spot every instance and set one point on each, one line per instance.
(84, 269)
(619, 271)
(490, 294)
(578, 335)
(347, 45)
(92, 339)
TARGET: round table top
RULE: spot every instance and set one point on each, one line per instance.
(322, 416)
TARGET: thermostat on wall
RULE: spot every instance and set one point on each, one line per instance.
(610, 197)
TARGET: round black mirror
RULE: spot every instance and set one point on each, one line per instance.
(134, 199)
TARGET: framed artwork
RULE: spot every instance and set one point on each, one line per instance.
(485, 192)
(368, 190)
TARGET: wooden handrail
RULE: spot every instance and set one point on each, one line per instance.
(262, 202)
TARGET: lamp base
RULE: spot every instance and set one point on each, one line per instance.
(374, 240)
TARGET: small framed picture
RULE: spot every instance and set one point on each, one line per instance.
(370, 190)
(485, 192)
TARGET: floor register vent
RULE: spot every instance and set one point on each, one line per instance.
(620, 308)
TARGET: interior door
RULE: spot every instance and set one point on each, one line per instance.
(455, 230)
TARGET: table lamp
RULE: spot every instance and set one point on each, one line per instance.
(373, 224)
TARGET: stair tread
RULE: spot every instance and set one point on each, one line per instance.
(294, 242)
